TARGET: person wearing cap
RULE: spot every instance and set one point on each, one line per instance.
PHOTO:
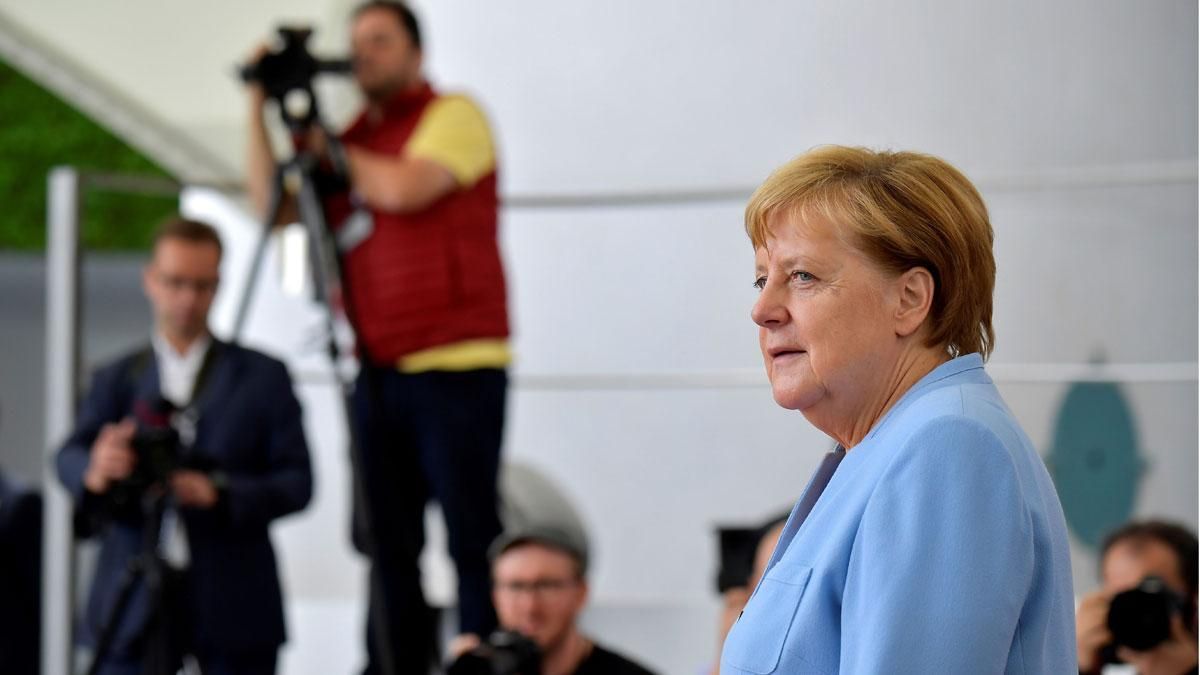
(539, 588)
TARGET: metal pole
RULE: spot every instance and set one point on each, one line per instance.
(62, 380)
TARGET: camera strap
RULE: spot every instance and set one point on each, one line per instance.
(187, 417)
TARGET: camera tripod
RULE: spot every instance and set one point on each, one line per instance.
(163, 632)
(325, 270)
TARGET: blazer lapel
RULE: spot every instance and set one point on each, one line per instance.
(216, 388)
(146, 390)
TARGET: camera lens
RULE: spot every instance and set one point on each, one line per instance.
(1140, 618)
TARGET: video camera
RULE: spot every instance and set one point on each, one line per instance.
(504, 653)
(1140, 618)
(291, 68)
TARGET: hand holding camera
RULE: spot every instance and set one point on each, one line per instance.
(194, 489)
(504, 653)
(1143, 627)
(258, 94)
(1175, 655)
(114, 460)
(112, 457)
(1148, 629)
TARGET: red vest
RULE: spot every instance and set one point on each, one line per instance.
(427, 278)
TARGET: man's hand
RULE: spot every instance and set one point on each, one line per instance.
(260, 159)
(258, 96)
(462, 644)
(1091, 630)
(1176, 656)
(194, 489)
(316, 141)
(112, 459)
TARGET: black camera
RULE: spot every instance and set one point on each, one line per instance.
(159, 453)
(504, 653)
(292, 68)
(1140, 618)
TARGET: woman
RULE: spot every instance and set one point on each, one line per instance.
(931, 540)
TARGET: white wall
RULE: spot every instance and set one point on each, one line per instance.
(716, 93)
(1077, 119)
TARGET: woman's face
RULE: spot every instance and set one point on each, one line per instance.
(826, 317)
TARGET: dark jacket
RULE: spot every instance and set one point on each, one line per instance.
(21, 570)
(249, 431)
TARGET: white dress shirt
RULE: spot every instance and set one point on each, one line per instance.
(177, 375)
(177, 372)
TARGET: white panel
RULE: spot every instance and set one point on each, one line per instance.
(643, 95)
(1105, 272)
(631, 289)
(1081, 273)
(624, 95)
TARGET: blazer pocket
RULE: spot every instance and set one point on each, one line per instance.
(756, 641)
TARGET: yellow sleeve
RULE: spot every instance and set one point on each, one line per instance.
(454, 133)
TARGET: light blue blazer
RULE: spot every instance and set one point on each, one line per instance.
(938, 546)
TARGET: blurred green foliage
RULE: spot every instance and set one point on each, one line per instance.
(39, 131)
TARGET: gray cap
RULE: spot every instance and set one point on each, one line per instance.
(546, 535)
(534, 509)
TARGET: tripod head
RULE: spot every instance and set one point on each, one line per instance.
(286, 75)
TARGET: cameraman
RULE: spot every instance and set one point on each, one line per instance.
(425, 293)
(539, 589)
(244, 462)
(1129, 555)
(742, 566)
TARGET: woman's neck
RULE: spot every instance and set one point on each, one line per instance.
(909, 369)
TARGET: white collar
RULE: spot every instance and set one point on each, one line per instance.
(193, 354)
(177, 373)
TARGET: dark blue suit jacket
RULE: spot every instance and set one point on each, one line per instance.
(250, 430)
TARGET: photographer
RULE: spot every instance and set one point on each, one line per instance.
(1128, 556)
(425, 292)
(539, 588)
(744, 557)
(212, 432)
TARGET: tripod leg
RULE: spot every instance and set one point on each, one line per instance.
(325, 268)
(274, 207)
(326, 273)
(165, 633)
(160, 652)
(108, 631)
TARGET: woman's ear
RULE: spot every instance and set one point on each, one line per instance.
(916, 288)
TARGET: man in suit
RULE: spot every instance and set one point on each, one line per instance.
(243, 463)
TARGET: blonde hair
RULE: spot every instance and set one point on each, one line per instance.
(903, 210)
